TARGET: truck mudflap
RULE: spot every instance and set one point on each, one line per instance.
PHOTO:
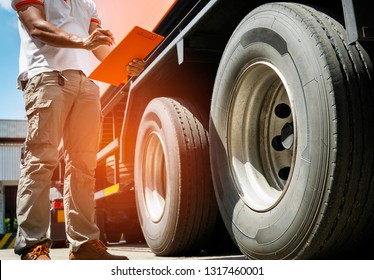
(359, 22)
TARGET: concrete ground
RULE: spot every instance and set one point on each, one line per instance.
(132, 251)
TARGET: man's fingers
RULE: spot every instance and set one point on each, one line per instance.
(135, 67)
(107, 33)
(103, 36)
(137, 64)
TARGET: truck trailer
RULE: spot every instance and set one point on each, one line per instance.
(251, 128)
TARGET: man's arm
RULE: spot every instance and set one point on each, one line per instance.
(33, 18)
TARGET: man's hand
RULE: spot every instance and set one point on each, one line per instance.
(98, 38)
(135, 67)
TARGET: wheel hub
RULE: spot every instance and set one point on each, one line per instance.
(261, 135)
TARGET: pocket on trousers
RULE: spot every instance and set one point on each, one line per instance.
(32, 84)
(38, 122)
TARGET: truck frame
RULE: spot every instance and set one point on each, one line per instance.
(251, 128)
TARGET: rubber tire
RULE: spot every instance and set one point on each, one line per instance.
(178, 166)
(326, 208)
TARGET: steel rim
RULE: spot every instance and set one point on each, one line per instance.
(261, 135)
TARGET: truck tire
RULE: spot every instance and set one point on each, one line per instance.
(173, 186)
(291, 137)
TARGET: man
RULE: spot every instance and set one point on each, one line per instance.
(57, 37)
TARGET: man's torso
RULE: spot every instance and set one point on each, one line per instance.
(72, 16)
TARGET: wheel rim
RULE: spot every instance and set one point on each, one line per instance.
(261, 135)
(154, 177)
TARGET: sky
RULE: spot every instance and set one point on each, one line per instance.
(11, 100)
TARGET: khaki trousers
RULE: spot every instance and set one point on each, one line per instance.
(59, 107)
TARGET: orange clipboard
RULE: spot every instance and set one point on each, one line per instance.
(138, 43)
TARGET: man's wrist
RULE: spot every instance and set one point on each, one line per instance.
(76, 41)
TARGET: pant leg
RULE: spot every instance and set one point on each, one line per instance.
(46, 106)
(81, 139)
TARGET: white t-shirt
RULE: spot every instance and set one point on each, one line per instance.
(72, 16)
